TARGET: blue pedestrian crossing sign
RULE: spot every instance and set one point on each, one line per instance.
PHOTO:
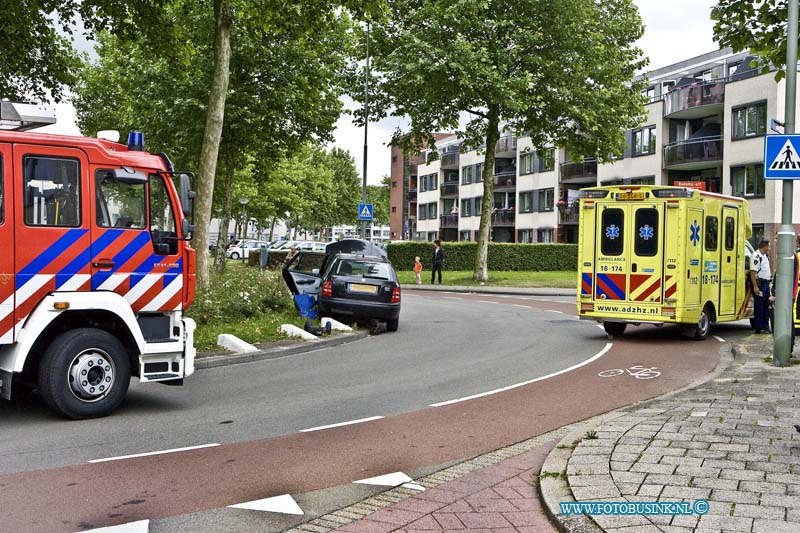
(365, 211)
(781, 158)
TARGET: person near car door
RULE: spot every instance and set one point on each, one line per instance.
(438, 261)
(290, 255)
(760, 276)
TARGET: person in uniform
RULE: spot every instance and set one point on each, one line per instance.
(760, 276)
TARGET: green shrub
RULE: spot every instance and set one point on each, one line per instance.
(502, 256)
(241, 293)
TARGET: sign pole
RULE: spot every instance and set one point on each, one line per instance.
(784, 283)
(366, 122)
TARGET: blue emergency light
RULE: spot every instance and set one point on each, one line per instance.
(136, 141)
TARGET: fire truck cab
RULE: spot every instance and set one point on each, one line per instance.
(661, 255)
(95, 266)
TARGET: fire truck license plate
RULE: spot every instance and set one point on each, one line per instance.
(366, 289)
(631, 196)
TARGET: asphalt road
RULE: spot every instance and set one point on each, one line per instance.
(448, 347)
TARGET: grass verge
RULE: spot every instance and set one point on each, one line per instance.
(562, 279)
(255, 330)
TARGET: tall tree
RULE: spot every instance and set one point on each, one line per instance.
(755, 25)
(560, 70)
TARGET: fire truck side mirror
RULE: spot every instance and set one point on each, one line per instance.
(187, 228)
(187, 196)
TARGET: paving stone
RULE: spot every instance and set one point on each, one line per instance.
(595, 492)
(715, 483)
(775, 526)
(730, 523)
(628, 477)
(647, 468)
(651, 491)
(760, 511)
(588, 459)
(664, 479)
(768, 467)
(684, 493)
(628, 489)
(763, 486)
(682, 520)
(699, 471)
(620, 456)
(584, 470)
(681, 461)
(742, 475)
(722, 463)
(712, 438)
(730, 447)
(618, 521)
(707, 454)
(483, 520)
(734, 496)
(780, 500)
(629, 448)
(737, 456)
(689, 445)
(588, 481)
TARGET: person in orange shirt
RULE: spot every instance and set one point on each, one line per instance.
(418, 270)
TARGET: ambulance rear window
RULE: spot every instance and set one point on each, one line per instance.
(712, 233)
(646, 244)
(613, 226)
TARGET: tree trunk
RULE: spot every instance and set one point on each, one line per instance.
(481, 272)
(213, 132)
(222, 241)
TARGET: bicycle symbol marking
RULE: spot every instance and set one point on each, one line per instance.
(637, 371)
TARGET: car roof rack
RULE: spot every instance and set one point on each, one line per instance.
(23, 116)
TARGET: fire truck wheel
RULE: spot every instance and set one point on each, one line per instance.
(84, 373)
(703, 327)
(615, 329)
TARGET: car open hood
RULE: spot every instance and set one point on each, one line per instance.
(356, 247)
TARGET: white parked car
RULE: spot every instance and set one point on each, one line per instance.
(242, 247)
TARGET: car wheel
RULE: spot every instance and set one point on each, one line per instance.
(392, 325)
(84, 373)
(615, 329)
(234, 255)
(703, 327)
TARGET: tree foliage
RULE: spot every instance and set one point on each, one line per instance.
(757, 26)
(379, 197)
(559, 70)
(36, 49)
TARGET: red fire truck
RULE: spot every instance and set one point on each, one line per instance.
(95, 266)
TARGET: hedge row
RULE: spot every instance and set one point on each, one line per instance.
(502, 256)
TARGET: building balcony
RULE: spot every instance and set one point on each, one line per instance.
(696, 100)
(448, 221)
(450, 160)
(411, 195)
(505, 180)
(503, 217)
(506, 144)
(582, 172)
(448, 189)
(693, 154)
(568, 215)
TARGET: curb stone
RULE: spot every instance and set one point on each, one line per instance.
(214, 361)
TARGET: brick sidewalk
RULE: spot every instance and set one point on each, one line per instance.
(501, 497)
(729, 441)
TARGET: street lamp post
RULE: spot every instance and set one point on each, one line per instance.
(244, 200)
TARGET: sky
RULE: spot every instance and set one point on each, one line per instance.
(674, 30)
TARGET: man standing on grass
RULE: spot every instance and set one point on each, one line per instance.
(438, 261)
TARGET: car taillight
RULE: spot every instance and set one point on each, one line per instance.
(396, 295)
(327, 288)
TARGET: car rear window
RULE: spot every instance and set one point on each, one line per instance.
(364, 268)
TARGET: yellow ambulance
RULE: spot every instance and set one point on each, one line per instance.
(662, 255)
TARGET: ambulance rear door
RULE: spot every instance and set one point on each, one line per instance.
(611, 261)
(729, 268)
(694, 255)
(646, 258)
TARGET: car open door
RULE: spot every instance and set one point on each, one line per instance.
(302, 274)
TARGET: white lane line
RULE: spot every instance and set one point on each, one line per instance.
(283, 504)
(140, 526)
(554, 311)
(488, 302)
(720, 339)
(522, 306)
(154, 453)
(340, 424)
(595, 357)
(451, 298)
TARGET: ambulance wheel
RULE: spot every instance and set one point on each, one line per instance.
(615, 329)
(84, 373)
(703, 327)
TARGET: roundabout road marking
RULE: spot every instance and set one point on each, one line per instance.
(595, 357)
(174, 450)
(720, 339)
(340, 424)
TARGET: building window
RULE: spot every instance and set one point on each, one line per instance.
(464, 235)
(526, 163)
(644, 141)
(749, 121)
(649, 93)
(667, 86)
(466, 207)
(712, 233)
(644, 180)
(466, 175)
(525, 236)
(394, 184)
(51, 191)
(422, 212)
(526, 202)
(733, 67)
(545, 200)
(394, 209)
(432, 208)
(748, 181)
(477, 205)
(544, 235)
(537, 161)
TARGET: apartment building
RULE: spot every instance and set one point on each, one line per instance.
(704, 126)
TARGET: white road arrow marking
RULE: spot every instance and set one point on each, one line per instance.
(141, 526)
(283, 504)
(414, 486)
(395, 479)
